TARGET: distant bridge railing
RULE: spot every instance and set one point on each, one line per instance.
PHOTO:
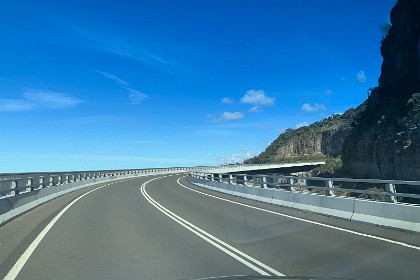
(371, 188)
(19, 183)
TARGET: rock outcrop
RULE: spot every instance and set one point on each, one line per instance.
(316, 141)
(385, 139)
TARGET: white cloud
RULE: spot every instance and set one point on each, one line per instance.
(39, 99)
(229, 116)
(15, 105)
(257, 98)
(255, 109)
(135, 96)
(307, 107)
(51, 99)
(302, 124)
(361, 77)
(112, 77)
(227, 100)
(328, 91)
(235, 158)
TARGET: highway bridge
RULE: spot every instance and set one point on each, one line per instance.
(157, 225)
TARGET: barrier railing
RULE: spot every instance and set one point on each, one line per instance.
(372, 188)
(18, 183)
(22, 183)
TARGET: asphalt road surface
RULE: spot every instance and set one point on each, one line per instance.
(162, 227)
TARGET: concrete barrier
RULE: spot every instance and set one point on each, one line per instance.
(328, 205)
(398, 215)
(255, 193)
(199, 183)
(224, 188)
(14, 206)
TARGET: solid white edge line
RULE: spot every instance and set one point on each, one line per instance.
(307, 221)
(210, 238)
(13, 273)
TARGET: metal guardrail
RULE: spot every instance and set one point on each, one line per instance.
(12, 184)
(19, 183)
(307, 184)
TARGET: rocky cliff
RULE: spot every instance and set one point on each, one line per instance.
(385, 139)
(316, 141)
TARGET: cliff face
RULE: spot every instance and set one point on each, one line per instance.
(318, 140)
(385, 139)
(314, 143)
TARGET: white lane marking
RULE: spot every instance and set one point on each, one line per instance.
(13, 273)
(304, 220)
(226, 248)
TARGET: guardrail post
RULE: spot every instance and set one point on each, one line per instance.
(230, 179)
(212, 177)
(291, 183)
(54, 181)
(220, 178)
(14, 185)
(245, 180)
(22, 185)
(329, 184)
(390, 188)
(45, 181)
(264, 182)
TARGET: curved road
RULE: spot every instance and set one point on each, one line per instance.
(162, 227)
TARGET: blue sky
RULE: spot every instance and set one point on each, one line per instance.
(87, 85)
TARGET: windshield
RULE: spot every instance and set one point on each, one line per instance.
(196, 139)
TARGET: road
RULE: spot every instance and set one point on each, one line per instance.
(162, 227)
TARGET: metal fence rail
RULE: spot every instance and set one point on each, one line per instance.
(12, 184)
(319, 185)
(21, 183)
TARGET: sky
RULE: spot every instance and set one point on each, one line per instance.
(92, 85)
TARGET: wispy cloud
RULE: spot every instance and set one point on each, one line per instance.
(112, 77)
(227, 100)
(255, 109)
(15, 105)
(302, 124)
(228, 117)
(257, 97)
(135, 96)
(50, 99)
(361, 76)
(39, 99)
(307, 107)
(328, 91)
(115, 45)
